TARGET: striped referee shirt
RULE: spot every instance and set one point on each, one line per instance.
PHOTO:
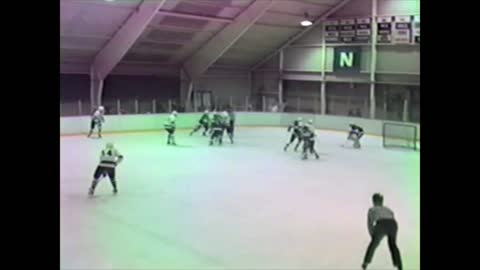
(377, 213)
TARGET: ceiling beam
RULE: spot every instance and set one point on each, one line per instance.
(285, 13)
(220, 43)
(194, 16)
(74, 68)
(179, 28)
(78, 48)
(84, 36)
(98, 4)
(314, 4)
(148, 63)
(292, 39)
(285, 27)
(125, 37)
(164, 42)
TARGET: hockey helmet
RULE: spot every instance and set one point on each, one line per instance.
(109, 145)
(377, 198)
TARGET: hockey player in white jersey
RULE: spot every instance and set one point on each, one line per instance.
(97, 121)
(170, 126)
(109, 159)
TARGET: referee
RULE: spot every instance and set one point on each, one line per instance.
(381, 222)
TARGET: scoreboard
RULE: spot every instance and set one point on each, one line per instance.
(390, 30)
(416, 29)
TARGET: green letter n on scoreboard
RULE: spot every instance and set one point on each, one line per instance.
(346, 59)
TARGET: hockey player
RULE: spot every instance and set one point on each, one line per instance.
(170, 126)
(308, 137)
(230, 124)
(356, 132)
(109, 159)
(97, 121)
(203, 122)
(381, 223)
(296, 128)
(217, 129)
(225, 122)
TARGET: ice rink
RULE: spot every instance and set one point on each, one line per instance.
(249, 205)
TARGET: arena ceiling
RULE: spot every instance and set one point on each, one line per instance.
(189, 34)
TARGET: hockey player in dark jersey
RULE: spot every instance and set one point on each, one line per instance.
(295, 127)
(308, 138)
(217, 129)
(97, 121)
(109, 159)
(231, 124)
(356, 132)
(203, 122)
(170, 127)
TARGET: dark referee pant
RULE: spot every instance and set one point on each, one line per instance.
(389, 228)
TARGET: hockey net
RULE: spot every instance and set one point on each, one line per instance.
(396, 135)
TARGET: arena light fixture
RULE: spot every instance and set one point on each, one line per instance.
(110, 0)
(306, 21)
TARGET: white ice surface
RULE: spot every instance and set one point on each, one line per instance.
(243, 206)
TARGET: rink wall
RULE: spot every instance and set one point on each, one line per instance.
(152, 122)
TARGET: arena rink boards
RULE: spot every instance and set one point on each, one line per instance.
(243, 206)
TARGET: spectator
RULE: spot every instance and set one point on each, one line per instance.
(274, 108)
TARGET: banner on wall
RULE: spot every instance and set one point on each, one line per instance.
(402, 31)
(332, 34)
(347, 31)
(384, 29)
(363, 30)
(416, 29)
(347, 59)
